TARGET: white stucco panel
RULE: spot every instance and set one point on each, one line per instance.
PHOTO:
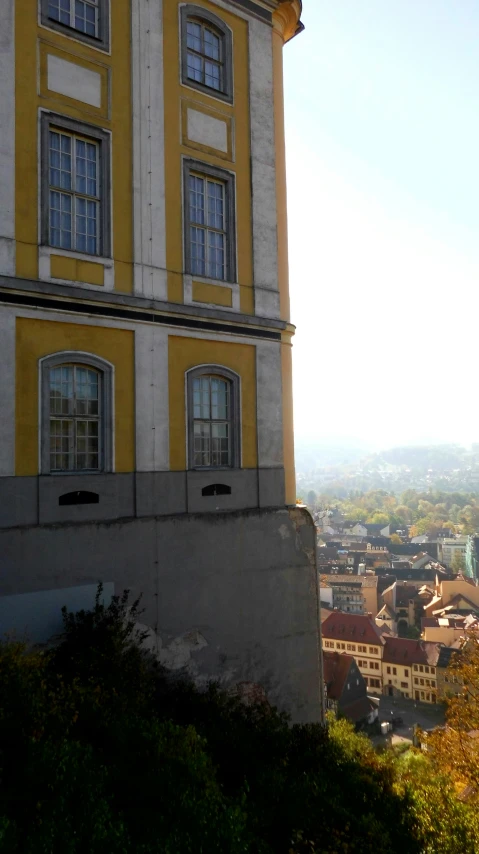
(74, 81)
(7, 133)
(7, 384)
(152, 411)
(207, 130)
(269, 395)
(263, 165)
(149, 212)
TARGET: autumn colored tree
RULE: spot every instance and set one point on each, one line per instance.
(395, 540)
(455, 749)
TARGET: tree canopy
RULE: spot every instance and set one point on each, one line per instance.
(426, 512)
(102, 751)
(456, 747)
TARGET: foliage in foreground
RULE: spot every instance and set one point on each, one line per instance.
(101, 751)
(455, 748)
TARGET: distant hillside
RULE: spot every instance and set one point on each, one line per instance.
(335, 468)
(437, 457)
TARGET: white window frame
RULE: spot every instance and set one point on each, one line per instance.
(53, 122)
(106, 431)
(234, 421)
(207, 172)
(102, 38)
(202, 16)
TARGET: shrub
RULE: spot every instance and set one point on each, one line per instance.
(101, 750)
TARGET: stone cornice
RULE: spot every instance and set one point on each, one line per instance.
(287, 19)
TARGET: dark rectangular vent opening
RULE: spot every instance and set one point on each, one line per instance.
(216, 489)
(80, 497)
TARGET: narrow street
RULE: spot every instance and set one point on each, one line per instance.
(412, 713)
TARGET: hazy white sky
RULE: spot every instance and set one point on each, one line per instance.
(382, 126)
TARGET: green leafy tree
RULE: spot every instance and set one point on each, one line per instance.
(458, 563)
(102, 751)
(379, 519)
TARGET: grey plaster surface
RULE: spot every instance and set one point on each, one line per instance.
(271, 486)
(26, 501)
(243, 583)
(160, 493)
(115, 491)
(243, 484)
(18, 501)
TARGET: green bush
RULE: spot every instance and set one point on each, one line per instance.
(101, 750)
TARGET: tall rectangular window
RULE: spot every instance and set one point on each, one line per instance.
(213, 418)
(207, 227)
(74, 221)
(209, 222)
(75, 418)
(88, 20)
(211, 414)
(75, 198)
(204, 54)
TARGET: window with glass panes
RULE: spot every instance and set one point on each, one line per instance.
(204, 59)
(75, 418)
(81, 15)
(208, 227)
(212, 421)
(74, 192)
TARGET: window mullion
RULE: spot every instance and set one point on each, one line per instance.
(73, 459)
(73, 452)
(74, 185)
(72, 13)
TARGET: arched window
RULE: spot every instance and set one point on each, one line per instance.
(77, 420)
(206, 47)
(213, 418)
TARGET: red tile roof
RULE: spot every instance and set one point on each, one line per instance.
(351, 627)
(336, 667)
(405, 651)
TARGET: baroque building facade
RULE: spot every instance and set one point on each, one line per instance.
(146, 434)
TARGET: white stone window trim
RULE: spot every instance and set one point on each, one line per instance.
(234, 287)
(44, 268)
(228, 178)
(44, 249)
(107, 370)
(49, 121)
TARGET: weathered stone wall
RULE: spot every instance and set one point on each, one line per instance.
(228, 596)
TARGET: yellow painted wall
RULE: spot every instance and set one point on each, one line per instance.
(38, 338)
(32, 42)
(174, 93)
(75, 270)
(187, 353)
(212, 294)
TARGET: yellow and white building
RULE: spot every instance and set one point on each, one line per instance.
(146, 434)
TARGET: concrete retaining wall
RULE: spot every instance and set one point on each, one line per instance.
(230, 596)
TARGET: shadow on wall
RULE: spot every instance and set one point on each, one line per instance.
(36, 617)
